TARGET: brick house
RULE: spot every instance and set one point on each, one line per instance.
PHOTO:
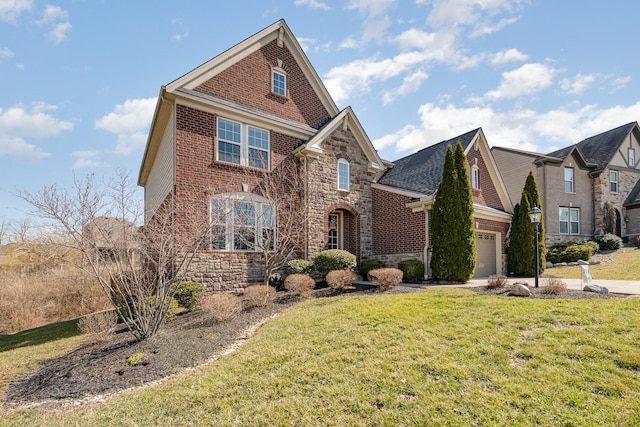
(403, 198)
(577, 182)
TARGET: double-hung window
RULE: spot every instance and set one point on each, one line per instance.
(242, 144)
(632, 158)
(569, 220)
(241, 222)
(613, 181)
(475, 178)
(279, 86)
(343, 175)
(568, 180)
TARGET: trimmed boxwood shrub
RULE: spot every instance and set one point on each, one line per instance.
(570, 252)
(299, 266)
(609, 242)
(335, 259)
(187, 293)
(386, 278)
(412, 270)
(367, 265)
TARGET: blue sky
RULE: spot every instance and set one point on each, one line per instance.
(79, 78)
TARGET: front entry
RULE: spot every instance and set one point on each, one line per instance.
(342, 231)
(485, 254)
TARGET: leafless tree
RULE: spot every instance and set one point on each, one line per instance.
(21, 231)
(134, 265)
(4, 227)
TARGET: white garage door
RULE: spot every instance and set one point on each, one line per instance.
(485, 255)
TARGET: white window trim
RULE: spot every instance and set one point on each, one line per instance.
(244, 144)
(569, 222)
(280, 71)
(475, 177)
(348, 172)
(572, 180)
(339, 230)
(617, 181)
(228, 200)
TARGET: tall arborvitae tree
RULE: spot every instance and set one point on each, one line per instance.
(520, 252)
(442, 221)
(453, 256)
(466, 246)
(531, 189)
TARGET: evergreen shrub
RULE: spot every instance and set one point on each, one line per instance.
(609, 242)
(335, 259)
(299, 266)
(367, 265)
(187, 293)
(570, 252)
(412, 270)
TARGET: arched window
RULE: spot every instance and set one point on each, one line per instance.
(242, 222)
(343, 175)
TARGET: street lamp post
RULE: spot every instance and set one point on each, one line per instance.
(535, 215)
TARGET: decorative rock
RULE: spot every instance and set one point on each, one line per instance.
(596, 289)
(561, 264)
(572, 264)
(594, 262)
(520, 289)
(549, 264)
(581, 262)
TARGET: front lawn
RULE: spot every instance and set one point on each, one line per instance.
(623, 266)
(438, 357)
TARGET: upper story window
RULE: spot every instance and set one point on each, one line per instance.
(613, 181)
(241, 222)
(343, 175)
(279, 82)
(475, 177)
(569, 221)
(242, 144)
(632, 158)
(568, 180)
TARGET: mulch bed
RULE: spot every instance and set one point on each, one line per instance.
(95, 371)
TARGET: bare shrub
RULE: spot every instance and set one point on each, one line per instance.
(300, 284)
(259, 295)
(554, 286)
(340, 279)
(98, 326)
(221, 306)
(386, 278)
(497, 281)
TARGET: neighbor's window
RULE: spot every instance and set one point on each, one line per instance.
(613, 181)
(568, 180)
(242, 144)
(279, 82)
(569, 221)
(632, 158)
(241, 222)
(475, 178)
(343, 175)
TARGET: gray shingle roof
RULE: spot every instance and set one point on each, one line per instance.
(633, 199)
(598, 150)
(421, 172)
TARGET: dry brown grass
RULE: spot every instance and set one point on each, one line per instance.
(259, 295)
(553, 286)
(221, 306)
(28, 300)
(340, 279)
(497, 281)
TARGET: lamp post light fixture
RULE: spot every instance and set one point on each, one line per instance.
(535, 215)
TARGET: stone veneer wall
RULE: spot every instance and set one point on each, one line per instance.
(225, 271)
(324, 196)
(627, 179)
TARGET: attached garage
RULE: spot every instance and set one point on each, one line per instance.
(485, 254)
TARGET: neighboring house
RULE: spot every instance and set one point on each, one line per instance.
(403, 199)
(586, 188)
(112, 239)
(250, 109)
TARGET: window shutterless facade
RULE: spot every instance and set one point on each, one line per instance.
(241, 222)
(568, 180)
(242, 144)
(475, 178)
(613, 181)
(279, 86)
(632, 158)
(569, 220)
(343, 175)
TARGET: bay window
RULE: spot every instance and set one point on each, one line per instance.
(241, 222)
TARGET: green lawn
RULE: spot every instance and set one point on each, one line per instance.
(623, 266)
(438, 357)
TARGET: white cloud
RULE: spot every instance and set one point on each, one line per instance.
(130, 122)
(10, 10)
(488, 28)
(53, 14)
(87, 159)
(59, 32)
(619, 83)
(526, 80)
(578, 84)
(511, 55)
(410, 84)
(371, 8)
(5, 52)
(18, 123)
(313, 4)
(467, 12)
(58, 18)
(180, 37)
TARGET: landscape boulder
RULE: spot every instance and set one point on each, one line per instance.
(596, 289)
(520, 289)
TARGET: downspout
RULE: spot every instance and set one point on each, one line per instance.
(426, 242)
(306, 206)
